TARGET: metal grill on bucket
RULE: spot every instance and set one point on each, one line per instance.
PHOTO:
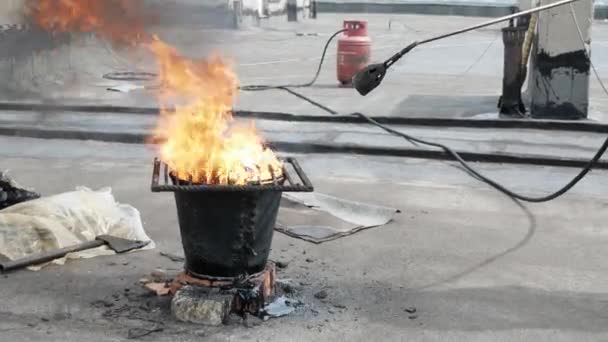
(287, 183)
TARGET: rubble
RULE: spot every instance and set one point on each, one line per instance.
(338, 306)
(160, 289)
(101, 303)
(281, 264)
(321, 294)
(287, 287)
(233, 319)
(173, 257)
(159, 275)
(136, 333)
(251, 321)
(282, 306)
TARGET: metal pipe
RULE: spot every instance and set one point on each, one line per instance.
(400, 54)
(371, 76)
(498, 20)
(37, 259)
(529, 38)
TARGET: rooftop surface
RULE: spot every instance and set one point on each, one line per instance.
(456, 77)
(476, 265)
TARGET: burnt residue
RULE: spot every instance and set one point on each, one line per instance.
(575, 60)
(561, 111)
(559, 104)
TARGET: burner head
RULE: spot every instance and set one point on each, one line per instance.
(369, 78)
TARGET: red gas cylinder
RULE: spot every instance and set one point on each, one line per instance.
(354, 50)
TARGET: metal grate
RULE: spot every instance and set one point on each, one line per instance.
(162, 181)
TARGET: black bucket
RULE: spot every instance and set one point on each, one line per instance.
(227, 233)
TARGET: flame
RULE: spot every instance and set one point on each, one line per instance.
(199, 139)
(120, 21)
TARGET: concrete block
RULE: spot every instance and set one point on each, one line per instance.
(201, 306)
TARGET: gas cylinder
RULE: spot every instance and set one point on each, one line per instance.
(354, 50)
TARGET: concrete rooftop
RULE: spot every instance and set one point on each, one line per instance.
(476, 265)
(455, 77)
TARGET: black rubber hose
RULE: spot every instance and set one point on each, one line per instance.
(474, 173)
(489, 181)
(260, 87)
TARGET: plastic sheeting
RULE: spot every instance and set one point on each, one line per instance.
(67, 219)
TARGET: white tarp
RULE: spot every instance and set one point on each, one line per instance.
(67, 219)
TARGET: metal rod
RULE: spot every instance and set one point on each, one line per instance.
(48, 256)
(288, 176)
(300, 185)
(274, 178)
(166, 168)
(296, 166)
(498, 20)
(259, 174)
(155, 172)
(408, 48)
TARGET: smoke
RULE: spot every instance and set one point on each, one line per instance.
(118, 21)
(64, 46)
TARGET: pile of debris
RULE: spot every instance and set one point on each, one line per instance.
(11, 193)
(210, 301)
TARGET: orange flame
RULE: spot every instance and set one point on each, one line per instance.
(199, 139)
(120, 21)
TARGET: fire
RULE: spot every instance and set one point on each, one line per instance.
(120, 21)
(199, 139)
